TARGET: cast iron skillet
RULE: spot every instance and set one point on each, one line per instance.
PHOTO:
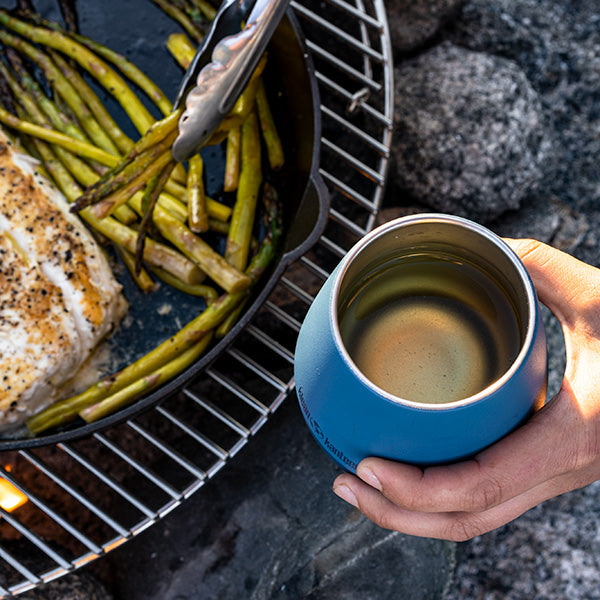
(139, 30)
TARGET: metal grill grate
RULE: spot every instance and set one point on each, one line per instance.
(90, 496)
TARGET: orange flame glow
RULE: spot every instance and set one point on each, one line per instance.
(10, 497)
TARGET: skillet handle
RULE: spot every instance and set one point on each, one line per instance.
(306, 229)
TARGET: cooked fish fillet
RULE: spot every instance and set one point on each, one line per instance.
(58, 296)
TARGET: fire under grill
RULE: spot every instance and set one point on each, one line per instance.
(83, 499)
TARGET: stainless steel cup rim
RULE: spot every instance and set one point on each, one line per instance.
(488, 236)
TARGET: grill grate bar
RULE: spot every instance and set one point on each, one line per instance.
(340, 34)
(108, 481)
(347, 223)
(350, 192)
(157, 481)
(344, 67)
(238, 391)
(270, 343)
(314, 268)
(354, 162)
(332, 246)
(81, 537)
(284, 317)
(365, 37)
(13, 562)
(258, 369)
(35, 539)
(350, 98)
(219, 414)
(358, 14)
(168, 451)
(194, 433)
(278, 400)
(296, 290)
(379, 147)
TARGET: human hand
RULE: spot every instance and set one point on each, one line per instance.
(555, 451)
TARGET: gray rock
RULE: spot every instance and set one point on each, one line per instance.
(553, 42)
(469, 135)
(557, 45)
(589, 249)
(414, 23)
(551, 552)
(547, 219)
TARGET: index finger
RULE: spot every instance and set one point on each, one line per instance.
(522, 460)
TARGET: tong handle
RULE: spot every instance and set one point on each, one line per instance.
(228, 21)
(222, 80)
(245, 49)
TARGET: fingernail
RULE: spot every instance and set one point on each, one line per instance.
(345, 493)
(369, 477)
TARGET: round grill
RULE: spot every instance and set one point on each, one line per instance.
(90, 496)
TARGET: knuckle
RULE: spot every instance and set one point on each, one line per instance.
(385, 522)
(526, 247)
(413, 502)
(486, 495)
(384, 519)
(463, 528)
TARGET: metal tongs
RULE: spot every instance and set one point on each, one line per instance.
(221, 68)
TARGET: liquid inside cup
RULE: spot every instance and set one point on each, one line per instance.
(430, 326)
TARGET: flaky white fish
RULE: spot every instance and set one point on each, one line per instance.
(58, 295)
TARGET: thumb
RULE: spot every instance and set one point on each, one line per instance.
(563, 283)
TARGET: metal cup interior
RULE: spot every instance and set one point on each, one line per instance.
(442, 234)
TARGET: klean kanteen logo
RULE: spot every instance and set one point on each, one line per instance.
(320, 435)
(316, 429)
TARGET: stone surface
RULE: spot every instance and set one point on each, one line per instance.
(551, 552)
(547, 219)
(469, 136)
